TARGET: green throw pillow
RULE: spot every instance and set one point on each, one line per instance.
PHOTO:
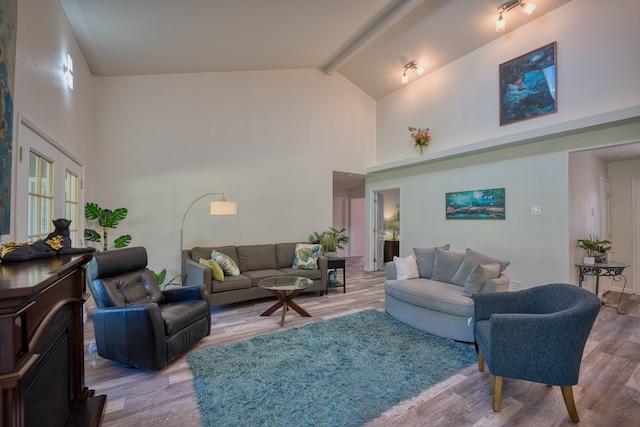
(216, 270)
(229, 266)
(306, 256)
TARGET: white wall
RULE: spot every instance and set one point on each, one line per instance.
(534, 167)
(269, 140)
(41, 96)
(598, 63)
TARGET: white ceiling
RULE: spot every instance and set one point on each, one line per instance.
(131, 37)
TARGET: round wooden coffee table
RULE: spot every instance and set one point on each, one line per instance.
(286, 288)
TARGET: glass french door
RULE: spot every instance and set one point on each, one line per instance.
(49, 186)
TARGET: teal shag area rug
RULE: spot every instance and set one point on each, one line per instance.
(339, 372)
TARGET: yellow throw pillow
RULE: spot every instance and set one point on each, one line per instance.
(216, 270)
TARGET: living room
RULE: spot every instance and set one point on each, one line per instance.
(271, 140)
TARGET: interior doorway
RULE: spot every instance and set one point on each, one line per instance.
(385, 235)
(349, 210)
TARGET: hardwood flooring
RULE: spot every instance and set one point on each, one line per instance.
(608, 393)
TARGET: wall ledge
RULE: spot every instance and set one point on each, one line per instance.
(572, 127)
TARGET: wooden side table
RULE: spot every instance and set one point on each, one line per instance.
(391, 249)
(335, 264)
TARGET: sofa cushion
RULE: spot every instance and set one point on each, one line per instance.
(227, 264)
(306, 256)
(231, 283)
(432, 295)
(284, 254)
(200, 252)
(257, 275)
(309, 274)
(471, 259)
(406, 267)
(256, 257)
(216, 270)
(446, 264)
(480, 274)
(425, 258)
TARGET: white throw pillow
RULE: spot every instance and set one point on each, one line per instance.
(406, 268)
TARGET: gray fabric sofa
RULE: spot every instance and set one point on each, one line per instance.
(434, 301)
(255, 262)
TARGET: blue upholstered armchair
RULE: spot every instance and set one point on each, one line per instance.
(537, 334)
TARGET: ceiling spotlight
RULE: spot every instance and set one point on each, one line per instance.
(500, 23)
(527, 7)
(413, 65)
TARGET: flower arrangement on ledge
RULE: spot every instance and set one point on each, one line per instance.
(421, 137)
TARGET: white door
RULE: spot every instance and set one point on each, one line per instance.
(357, 227)
(379, 231)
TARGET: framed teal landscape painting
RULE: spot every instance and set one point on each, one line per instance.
(476, 204)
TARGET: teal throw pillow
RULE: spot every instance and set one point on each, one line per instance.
(229, 266)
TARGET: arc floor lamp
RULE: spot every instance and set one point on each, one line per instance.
(216, 208)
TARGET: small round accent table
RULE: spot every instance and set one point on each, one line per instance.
(286, 288)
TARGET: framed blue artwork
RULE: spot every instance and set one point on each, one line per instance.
(8, 18)
(528, 85)
(476, 204)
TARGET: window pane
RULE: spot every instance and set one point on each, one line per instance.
(71, 184)
(46, 178)
(46, 226)
(33, 173)
(32, 228)
(40, 197)
(71, 204)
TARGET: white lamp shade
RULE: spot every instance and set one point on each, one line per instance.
(223, 207)
(528, 8)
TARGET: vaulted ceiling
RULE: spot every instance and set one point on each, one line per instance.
(367, 41)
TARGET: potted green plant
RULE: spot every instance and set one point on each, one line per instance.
(161, 279)
(331, 240)
(329, 245)
(596, 249)
(107, 219)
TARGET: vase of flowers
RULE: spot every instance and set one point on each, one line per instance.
(421, 138)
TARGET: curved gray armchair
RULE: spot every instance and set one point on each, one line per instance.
(537, 334)
(137, 324)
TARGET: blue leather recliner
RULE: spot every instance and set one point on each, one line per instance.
(136, 323)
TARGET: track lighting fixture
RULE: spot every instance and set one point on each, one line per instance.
(527, 7)
(413, 65)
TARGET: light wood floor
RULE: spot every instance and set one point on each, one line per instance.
(608, 393)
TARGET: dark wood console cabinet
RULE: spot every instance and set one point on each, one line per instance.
(391, 249)
(42, 344)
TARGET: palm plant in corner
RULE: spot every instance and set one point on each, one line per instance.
(107, 219)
